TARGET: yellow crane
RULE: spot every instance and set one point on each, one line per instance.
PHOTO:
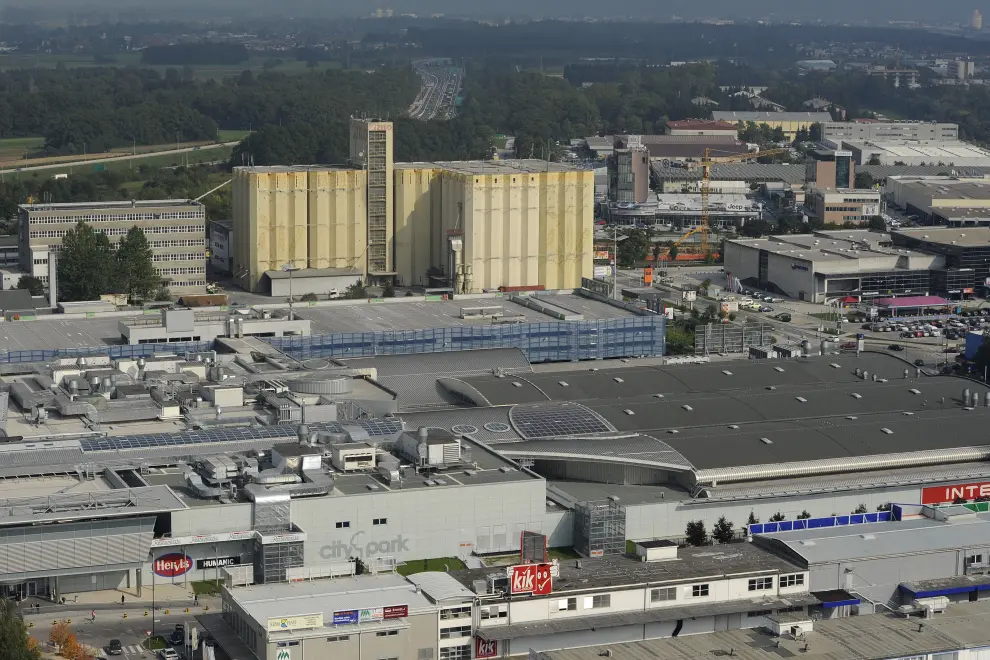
(707, 163)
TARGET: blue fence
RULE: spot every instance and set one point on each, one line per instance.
(118, 351)
(541, 342)
(817, 523)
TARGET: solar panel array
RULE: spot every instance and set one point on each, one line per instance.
(550, 420)
(205, 436)
(380, 427)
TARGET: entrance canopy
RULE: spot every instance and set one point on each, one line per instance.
(911, 302)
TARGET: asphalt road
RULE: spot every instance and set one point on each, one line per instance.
(111, 159)
(131, 631)
(436, 97)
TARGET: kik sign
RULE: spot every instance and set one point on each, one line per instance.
(530, 579)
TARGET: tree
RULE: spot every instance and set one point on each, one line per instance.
(804, 515)
(884, 507)
(633, 248)
(696, 533)
(33, 284)
(136, 276)
(864, 180)
(876, 223)
(163, 295)
(356, 291)
(309, 297)
(706, 284)
(672, 253)
(14, 640)
(752, 520)
(722, 532)
(388, 291)
(861, 509)
(777, 517)
(874, 160)
(85, 264)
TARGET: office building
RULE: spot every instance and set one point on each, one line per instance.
(829, 170)
(976, 22)
(629, 175)
(789, 122)
(834, 133)
(831, 264)
(837, 206)
(371, 150)
(311, 216)
(176, 232)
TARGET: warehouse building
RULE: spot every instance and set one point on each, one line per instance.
(470, 226)
(789, 122)
(828, 265)
(942, 200)
(834, 133)
(917, 152)
(176, 232)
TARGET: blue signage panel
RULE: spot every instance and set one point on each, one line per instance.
(345, 617)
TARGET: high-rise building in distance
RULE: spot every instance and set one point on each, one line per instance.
(977, 20)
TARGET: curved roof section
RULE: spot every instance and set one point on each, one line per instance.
(553, 420)
(638, 450)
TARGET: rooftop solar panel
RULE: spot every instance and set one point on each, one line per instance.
(207, 436)
(380, 427)
(554, 420)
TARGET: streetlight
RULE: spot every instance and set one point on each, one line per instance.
(290, 268)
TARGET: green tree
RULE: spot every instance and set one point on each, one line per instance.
(864, 180)
(722, 531)
(32, 284)
(861, 509)
(876, 223)
(696, 533)
(633, 248)
(356, 291)
(136, 276)
(15, 643)
(752, 520)
(777, 517)
(874, 160)
(85, 264)
(388, 291)
(672, 253)
(163, 295)
(886, 506)
(804, 515)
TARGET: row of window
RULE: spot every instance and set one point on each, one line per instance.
(590, 603)
(456, 612)
(455, 632)
(387, 633)
(183, 256)
(115, 217)
(755, 584)
(185, 270)
(120, 231)
(191, 242)
(843, 208)
(345, 524)
(456, 652)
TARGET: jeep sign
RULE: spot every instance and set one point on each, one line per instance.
(171, 565)
(530, 579)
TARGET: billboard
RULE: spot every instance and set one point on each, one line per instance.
(172, 565)
(601, 272)
(217, 562)
(395, 612)
(602, 254)
(946, 494)
(648, 275)
(532, 579)
(689, 296)
(345, 617)
(296, 622)
(485, 648)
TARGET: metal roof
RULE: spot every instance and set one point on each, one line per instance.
(736, 172)
(70, 506)
(630, 450)
(440, 586)
(854, 542)
(884, 171)
(760, 116)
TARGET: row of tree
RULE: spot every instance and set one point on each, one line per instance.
(89, 266)
(695, 533)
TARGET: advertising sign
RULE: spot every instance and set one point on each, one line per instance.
(371, 614)
(218, 562)
(689, 296)
(396, 611)
(485, 648)
(602, 272)
(946, 494)
(602, 254)
(870, 210)
(283, 654)
(174, 541)
(345, 617)
(171, 565)
(296, 622)
(648, 275)
(530, 579)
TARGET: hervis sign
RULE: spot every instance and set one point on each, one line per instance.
(173, 564)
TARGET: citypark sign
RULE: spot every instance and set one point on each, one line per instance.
(945, 494)
(357, 546)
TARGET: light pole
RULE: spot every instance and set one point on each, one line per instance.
(290, 268)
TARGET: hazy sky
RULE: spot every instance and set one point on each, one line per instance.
(954, 11)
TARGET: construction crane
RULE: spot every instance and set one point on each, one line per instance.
(706, 164)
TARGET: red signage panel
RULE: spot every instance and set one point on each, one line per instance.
(944, 494)
(395, 612)
(485, 648)
(171, 565)
(531, 579)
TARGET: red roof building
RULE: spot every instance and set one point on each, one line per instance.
(701, 127)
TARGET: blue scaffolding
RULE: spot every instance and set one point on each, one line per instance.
(116, 351)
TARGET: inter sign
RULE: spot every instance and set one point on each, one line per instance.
(945, 494)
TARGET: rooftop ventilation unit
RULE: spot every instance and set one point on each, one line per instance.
(856, 395)
(687, 407)
(766, 441)
(726, 372)
(618, 380)
(801, 399)
(628, 411)
(887, 431)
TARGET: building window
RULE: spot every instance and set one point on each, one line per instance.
(494, 612)
(761, 584)
(343, 524)
(425, 654)
(976, 559)
(759, 613)
(669, 593)
(567, 604)
(339, 638)
(379, 521)
(387, 633)
(793, 608)
(455, 612)
(699, 590)
(392, 658)
(791, 580)
(456, 652)
(596, 602)
(455, 632)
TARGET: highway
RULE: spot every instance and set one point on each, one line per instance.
(438, 91)
(110, 159)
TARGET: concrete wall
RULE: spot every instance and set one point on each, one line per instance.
(523, 228)
(338, 220)
(421, 522)
(418, 244)
(405, 645)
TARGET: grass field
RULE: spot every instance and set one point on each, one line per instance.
(28, 60)
(12, 149)
(438, 564)
(207, 154)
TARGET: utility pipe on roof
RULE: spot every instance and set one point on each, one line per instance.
(840, 465)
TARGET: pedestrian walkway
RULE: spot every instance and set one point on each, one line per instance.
(133, 649)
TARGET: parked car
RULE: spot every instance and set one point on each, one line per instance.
(334, 294)
(919, 362)
(785, 317)
(168, 654)
(895, 347)
(849, 345)
(114, 647)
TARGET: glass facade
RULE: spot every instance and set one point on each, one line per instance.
(272, 559)
(843, 166)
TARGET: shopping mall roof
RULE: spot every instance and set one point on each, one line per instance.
(754, 172)
(948, 237)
